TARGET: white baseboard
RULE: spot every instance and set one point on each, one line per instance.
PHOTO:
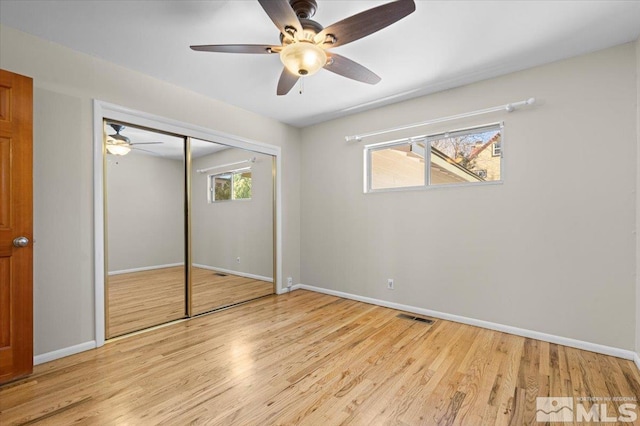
(230, 272)
(565, 341)
(285, 290)
(579, 344)
(145, 268)
(61, 353)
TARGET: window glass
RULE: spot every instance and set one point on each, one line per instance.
(398, 166)
(242, 185)
(234, 185)
(222, 187)
(465, 157)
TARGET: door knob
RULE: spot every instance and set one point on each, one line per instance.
(21, 242)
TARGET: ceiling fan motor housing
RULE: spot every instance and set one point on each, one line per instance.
(309, 28)
(117, 136)
(305, 9)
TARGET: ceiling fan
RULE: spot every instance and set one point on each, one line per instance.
(118, 144)
(305, 43)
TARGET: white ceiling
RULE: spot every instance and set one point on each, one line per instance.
(443, 44)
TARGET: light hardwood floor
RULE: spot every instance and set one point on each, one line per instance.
(308, 358)
(144, 299)
(211, 291)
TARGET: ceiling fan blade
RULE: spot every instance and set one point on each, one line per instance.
(282, 15)
(286, 82)
(350, 69)
(365, 23)
(236, 48)
(145, 150)
(145, 143)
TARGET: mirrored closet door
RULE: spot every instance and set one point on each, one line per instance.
(232, 226)
(145, 228)
(172, 201)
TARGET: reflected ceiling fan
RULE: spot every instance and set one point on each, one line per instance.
(118, 144)
(305, 43)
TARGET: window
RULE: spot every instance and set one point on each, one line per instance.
(495, 149)
(466, 156)
(233, 185)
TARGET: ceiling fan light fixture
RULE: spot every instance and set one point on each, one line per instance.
(118, 149)
(303, 58)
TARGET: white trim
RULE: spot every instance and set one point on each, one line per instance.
(140, 118)
(61, 353)
(565, 341)
(293, 287)
(98, 223)
(103, 110)
(278, 272)
(145, 268)
(636, 359)
(229, 271)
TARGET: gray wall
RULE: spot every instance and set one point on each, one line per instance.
(65, 84)
(145, 211)
(223, 231)
(551, 250)
(638, 201)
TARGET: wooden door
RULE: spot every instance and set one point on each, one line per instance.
(16, 226)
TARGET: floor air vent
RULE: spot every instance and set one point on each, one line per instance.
(220, 274)
(414, 318)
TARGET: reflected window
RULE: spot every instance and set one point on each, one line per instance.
(233, 185)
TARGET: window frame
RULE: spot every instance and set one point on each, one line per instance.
(211, 185)
(427, 139)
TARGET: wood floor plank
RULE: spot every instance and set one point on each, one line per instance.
(311, 359)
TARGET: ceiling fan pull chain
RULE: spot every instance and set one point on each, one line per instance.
(301, 90)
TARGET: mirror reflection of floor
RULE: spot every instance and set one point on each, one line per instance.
(144, 299)
(212, 291)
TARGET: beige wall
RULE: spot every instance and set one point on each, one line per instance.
(550, 250)
(638, 200)
(65, 84)
(223, 231)
(145, 211)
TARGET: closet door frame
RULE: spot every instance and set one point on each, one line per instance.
(104, 110)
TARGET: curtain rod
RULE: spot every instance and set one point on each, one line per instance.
(250, 160)
(507, 107)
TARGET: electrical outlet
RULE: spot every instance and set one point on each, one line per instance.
(390, 284)
(237, 259)
(289, 282)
